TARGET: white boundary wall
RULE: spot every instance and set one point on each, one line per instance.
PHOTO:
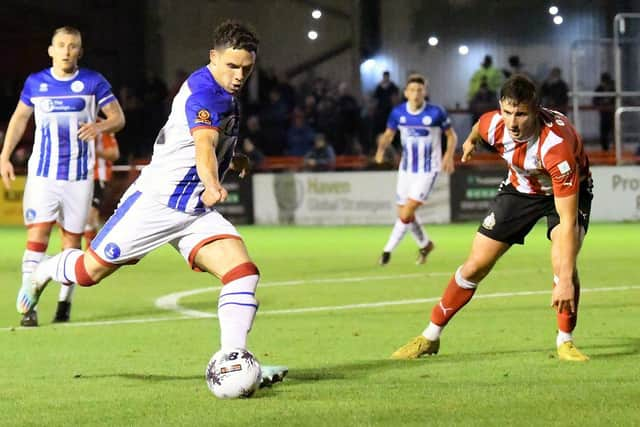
(337, 198)
(616, 193)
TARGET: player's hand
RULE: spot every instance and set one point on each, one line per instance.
(379, 157)
(468, 148)
(562, 298)
(448, 165)
(88, 131)
(7, 172)
(241, 164)
(213, 195)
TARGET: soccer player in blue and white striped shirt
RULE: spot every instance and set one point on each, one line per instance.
(421, 126)
(65, 100)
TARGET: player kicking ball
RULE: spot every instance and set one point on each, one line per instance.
(421, 126)
(173, 199)
(548, 177)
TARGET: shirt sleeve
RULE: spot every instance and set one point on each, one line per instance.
(103, 92)
(203, 112)
(445, 122)
(25, 95)
(392, 121)
(562, 166)
(484, 125)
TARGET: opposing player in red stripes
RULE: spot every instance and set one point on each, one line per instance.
(548, 177)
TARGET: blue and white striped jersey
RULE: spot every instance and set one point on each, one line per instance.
(171, 177)
(60, 107)
(420, 135)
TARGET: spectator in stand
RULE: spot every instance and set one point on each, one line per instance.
(386, 95)
(554, 92)
(366, 135)
(321, 157)
(253, 130)
(287, 91)
(348, 122)
(515, 67)
(310, 111)
(487, 72)
(274, 119)
(300, 136)
(253, 153)
(484, 100)
(606, 107)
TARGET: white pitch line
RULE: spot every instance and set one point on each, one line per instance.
(329, 308)
(171, 302)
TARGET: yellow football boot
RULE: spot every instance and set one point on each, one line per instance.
(568, 351)
(416, 348)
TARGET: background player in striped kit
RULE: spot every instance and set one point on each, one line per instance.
(548, 177)
(421, 125)
(173, 199)
(65, 100)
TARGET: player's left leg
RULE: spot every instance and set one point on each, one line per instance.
(566, 320)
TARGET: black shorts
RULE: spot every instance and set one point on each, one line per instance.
(98, 193)
(512, 214)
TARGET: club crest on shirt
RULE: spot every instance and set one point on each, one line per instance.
(112, 251)
(204, 117)
(489, 221)
(426, 120)
(77, 86)
(30, 214)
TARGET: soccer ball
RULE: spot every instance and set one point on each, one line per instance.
(233, 373)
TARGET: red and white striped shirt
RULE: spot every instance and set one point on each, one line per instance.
(552, 164)
(102, 167)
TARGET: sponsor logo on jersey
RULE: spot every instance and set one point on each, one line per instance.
(61, 105)
(43, 87)
(77, 86)
(564, 167)
(30, 214)
(203, 117)
(112, 251)
(489, 222)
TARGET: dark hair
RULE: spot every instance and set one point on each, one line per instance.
(236, 35)
(416, 78)
(519, 89)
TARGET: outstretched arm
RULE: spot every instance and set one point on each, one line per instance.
(566, 237)
(469, 145)
(448, 164)
(383, 142)
(113, 123)
(15, 131)
(206, 141)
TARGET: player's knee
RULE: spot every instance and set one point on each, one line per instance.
(239, 271)
(473, 271)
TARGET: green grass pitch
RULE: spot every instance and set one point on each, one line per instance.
(331, 314)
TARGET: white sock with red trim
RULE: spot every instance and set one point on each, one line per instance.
(398, 232)
(237, 305)
(419, 234)
(62, 267)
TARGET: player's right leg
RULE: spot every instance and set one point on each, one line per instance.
(484, 254)
(400, 227)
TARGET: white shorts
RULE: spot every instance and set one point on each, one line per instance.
(49, 200)
(414, 186)
(141, 224)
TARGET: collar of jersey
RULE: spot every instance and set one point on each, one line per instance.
(64, 79)
(424, 105)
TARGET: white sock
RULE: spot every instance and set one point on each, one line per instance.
(432, 332)
(237, 308)
(563, 337)
(66, 292)
(30, 260)
(398, 232)
(62, 267)
(419, 234)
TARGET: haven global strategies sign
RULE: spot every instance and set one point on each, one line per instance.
(337, 198)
